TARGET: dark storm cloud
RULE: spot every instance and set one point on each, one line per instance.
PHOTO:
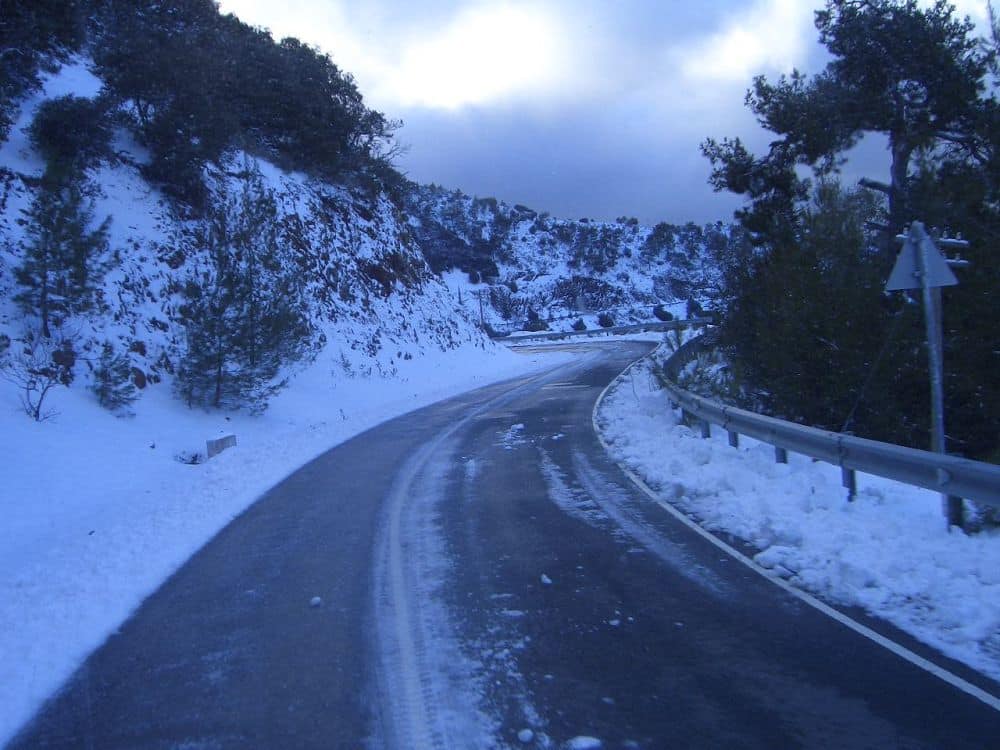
(572, 165)
(628, 145)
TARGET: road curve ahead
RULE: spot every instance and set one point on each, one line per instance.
(487, 577)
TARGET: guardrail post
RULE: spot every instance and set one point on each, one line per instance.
(215, 447)
(780, 455)
(954, 508)
(850, 481)
(734, 439)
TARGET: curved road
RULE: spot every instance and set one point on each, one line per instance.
(487, 577)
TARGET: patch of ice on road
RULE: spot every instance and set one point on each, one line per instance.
(569, 500)
(613, 501)
(546, 580)
(471, 469)
(888, 552)
(512, 437)
(499, 654)
(315, 602)
(584, 742)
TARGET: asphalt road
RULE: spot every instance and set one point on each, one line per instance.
(488, 577)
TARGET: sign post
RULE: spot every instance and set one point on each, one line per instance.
(920, 265)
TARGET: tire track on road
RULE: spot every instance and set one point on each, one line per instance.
(423, 679)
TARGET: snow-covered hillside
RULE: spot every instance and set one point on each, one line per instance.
(367, 284)
(528, 266)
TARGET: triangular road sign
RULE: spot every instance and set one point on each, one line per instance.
(906, 273)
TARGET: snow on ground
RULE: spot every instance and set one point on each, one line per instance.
(888, 551)
(98, 511)
(468, 295)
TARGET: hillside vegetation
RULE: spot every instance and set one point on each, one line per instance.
(808, 325)
(168, 218)
(535, 270)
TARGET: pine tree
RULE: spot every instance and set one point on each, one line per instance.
(245, 316)
(914, 74)
(62, 257)
(113, 380)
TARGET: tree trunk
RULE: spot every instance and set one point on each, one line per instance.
(901, 152)
(43, 307)
(219, 362)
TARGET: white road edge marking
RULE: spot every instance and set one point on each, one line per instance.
(940, 672)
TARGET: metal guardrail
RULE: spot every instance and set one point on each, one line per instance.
(961, 477)
(668, 325)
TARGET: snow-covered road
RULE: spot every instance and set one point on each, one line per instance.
(479, 573)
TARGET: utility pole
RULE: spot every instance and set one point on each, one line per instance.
(920, 265)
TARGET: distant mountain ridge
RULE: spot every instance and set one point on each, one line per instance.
(530, 266)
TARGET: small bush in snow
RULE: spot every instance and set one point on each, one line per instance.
(661, 313)
(191, 458)
(605, 320)
(579, 325)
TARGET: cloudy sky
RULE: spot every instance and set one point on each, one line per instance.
(577, 107)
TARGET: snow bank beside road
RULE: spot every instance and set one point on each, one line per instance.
(98, 511)
(887, 552)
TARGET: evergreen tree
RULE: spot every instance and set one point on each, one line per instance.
(245, 313)
(806, 321)
(62, 256)
(199, 83)
(112, 382)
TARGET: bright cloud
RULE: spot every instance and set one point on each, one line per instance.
(486, 53)
(771, 35)
(977, 10)
(480, 54)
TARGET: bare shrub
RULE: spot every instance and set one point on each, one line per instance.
(37, 364)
